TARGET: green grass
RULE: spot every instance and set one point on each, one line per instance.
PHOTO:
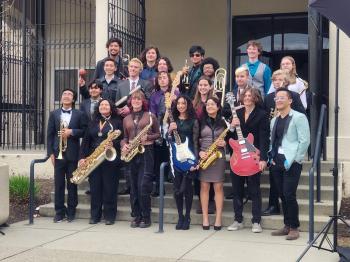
(19, 188)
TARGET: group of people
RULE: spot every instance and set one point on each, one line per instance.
(133, 99)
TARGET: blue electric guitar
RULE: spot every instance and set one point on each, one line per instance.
(181, 157)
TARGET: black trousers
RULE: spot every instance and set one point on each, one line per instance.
(63, 171)
(141, 182)
(253, 183)
(287, 183)
(103, 187)
(161, 154)
(273, 194)
(183, 190)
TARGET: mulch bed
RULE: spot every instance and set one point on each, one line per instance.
(19, 210)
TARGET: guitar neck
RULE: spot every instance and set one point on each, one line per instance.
(176, 134)
(238, 128)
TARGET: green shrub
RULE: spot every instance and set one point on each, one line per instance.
(19, 188)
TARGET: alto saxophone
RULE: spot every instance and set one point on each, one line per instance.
(213, 152)
(135, 146)
(96, 158)
(62, 144)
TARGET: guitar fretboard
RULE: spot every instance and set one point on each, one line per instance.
(238, 128)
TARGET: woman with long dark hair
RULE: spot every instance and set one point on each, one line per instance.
(105, 178)
(186, 124)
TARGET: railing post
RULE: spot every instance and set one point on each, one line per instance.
(324, 134)
(31, 187)
(311, 205)
(161, 197)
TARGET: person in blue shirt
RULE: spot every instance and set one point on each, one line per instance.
(259, 73)
(149, 57)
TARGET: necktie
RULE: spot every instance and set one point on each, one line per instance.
(133, 84)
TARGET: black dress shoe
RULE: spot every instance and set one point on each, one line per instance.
(125, 191)
(109, 222)
(269, 211)
(145, 222)
(186, 223)
(93, 221)
(180, 222)
(136, 222)
(230, 196)
(88, 192)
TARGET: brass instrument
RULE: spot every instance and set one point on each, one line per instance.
(62, 144)
(135, 144)
(220, 84)
(96, 158)
(213, 152)
(186, 79)
(273, 113)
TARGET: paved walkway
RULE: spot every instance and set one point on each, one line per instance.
(79, 241)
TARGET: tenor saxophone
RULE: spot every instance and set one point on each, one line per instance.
(135, 146)
(213, 152)
(96, 158)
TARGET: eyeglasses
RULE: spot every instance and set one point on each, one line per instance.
(196, 55)
(280, 98)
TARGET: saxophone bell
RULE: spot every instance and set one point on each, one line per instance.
(110, 154)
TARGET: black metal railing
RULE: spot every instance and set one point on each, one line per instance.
(126, 20)
(316, 166)
(31, 188)
(161, 198)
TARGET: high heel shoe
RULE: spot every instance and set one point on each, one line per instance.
(206, 227)
(217, 228)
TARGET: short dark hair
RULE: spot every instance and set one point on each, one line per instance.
(196, 48)
(211, 61)
(114, 40)
(110, 60)
(70, 90)
(289, 93)
(95, 82)
(168, 62)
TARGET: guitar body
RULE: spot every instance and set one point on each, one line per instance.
(181, 156)
(245, 157)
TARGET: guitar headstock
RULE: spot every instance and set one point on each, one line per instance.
(230, 98)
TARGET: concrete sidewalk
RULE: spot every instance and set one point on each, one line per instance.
(79, 241)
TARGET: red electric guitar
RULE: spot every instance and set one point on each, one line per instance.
(245, 157)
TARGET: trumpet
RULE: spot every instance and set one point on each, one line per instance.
(63, 141)
(186, 80)
(273, 113)
(220, 84)
(126, 59)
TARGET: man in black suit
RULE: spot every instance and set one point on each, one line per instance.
(88, 106)
(279, 80)
(65, 160)
(124, 87)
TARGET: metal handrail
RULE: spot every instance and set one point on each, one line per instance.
(316, 165)
(161, 197)
(31, 187)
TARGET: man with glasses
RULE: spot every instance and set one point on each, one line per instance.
(290, 139)
(190, 76)
(279, 80)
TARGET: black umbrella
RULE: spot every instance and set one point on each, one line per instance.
(336, 11)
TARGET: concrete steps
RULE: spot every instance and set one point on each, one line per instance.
(322, 210)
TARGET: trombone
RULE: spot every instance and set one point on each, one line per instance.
(220, 84)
